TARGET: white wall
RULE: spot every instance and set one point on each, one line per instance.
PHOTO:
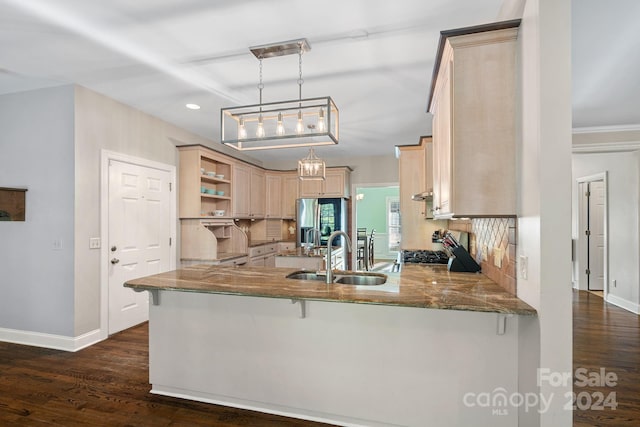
(36, 151)
(366, 170)
(623, 188)
(544, 193)
(103, 123)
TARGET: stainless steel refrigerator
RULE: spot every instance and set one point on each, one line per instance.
(325, 215)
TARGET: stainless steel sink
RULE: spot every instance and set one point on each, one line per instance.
(362, 280)
(369, 279)
(306, 275)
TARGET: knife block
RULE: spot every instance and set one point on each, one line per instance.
(461, 261)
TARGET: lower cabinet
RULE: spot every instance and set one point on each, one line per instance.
(263, 255)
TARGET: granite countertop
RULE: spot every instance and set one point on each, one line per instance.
(318, 251)
(254, 243)
(222, 256)
(415, 286)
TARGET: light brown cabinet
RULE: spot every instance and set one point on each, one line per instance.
(336, 184)
(473, 102)
(248, 191)
(257, 193)
(273, 182)
(263, 255)
(241, 177)
(411, 171)
(205, 183)
(289, 194)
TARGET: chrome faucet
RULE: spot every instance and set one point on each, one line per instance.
(316, 237)
(329, 244)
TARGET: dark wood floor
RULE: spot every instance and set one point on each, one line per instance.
(606, 336)
(107, 384)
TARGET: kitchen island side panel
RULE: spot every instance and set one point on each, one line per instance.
(351, 364)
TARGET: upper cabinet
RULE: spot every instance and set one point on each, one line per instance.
(289, 194)
(241, 190)
(214, 184)
(411, 170)
(473, 102)
(249, 197)
(336, 184)
(205, 183)
(258, 193)
(273, 182)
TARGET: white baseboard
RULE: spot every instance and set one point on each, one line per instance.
(56, 342)
(623, 303)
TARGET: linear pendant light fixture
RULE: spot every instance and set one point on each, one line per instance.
(294, 123)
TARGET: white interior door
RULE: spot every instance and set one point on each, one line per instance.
(139, 237)
(596, 236)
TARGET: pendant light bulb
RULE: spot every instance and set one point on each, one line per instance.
(280, 127)
(321, 126)
(260, 129)
(300, 125)
(242, 131)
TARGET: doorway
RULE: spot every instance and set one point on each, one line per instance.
(592, 233)
(138, 228)
(376, 209)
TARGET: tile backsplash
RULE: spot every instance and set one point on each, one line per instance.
(492, 241)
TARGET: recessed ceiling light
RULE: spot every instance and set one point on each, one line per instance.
(193, 106)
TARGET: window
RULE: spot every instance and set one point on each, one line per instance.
(393, 223)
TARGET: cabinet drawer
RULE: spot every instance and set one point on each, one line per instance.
(256, 251)
(286, 246)
(271, 248)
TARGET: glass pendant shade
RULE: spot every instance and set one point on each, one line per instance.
(280, 130)
(260, 128)
(242, 131)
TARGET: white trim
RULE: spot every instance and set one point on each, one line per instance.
(106, 156)
(623, 303)
(602, 176)
(263, 407)
(606, 147)
(603, 129)
(56, 342)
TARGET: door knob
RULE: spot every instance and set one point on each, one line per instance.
(113, 248)
(115, 261)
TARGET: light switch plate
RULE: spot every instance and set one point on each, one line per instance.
(94, 243)
(523, 267)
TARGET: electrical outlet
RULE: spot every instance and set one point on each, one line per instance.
(497, 257)
(57, 244)
(523, 267)
(94, 243)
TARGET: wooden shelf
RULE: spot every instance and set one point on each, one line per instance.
(215, 196)
(214, 180)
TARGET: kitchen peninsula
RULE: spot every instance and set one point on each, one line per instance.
(402, 353)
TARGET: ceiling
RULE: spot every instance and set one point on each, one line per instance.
(374, 58)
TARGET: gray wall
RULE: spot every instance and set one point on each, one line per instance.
(36, 151)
